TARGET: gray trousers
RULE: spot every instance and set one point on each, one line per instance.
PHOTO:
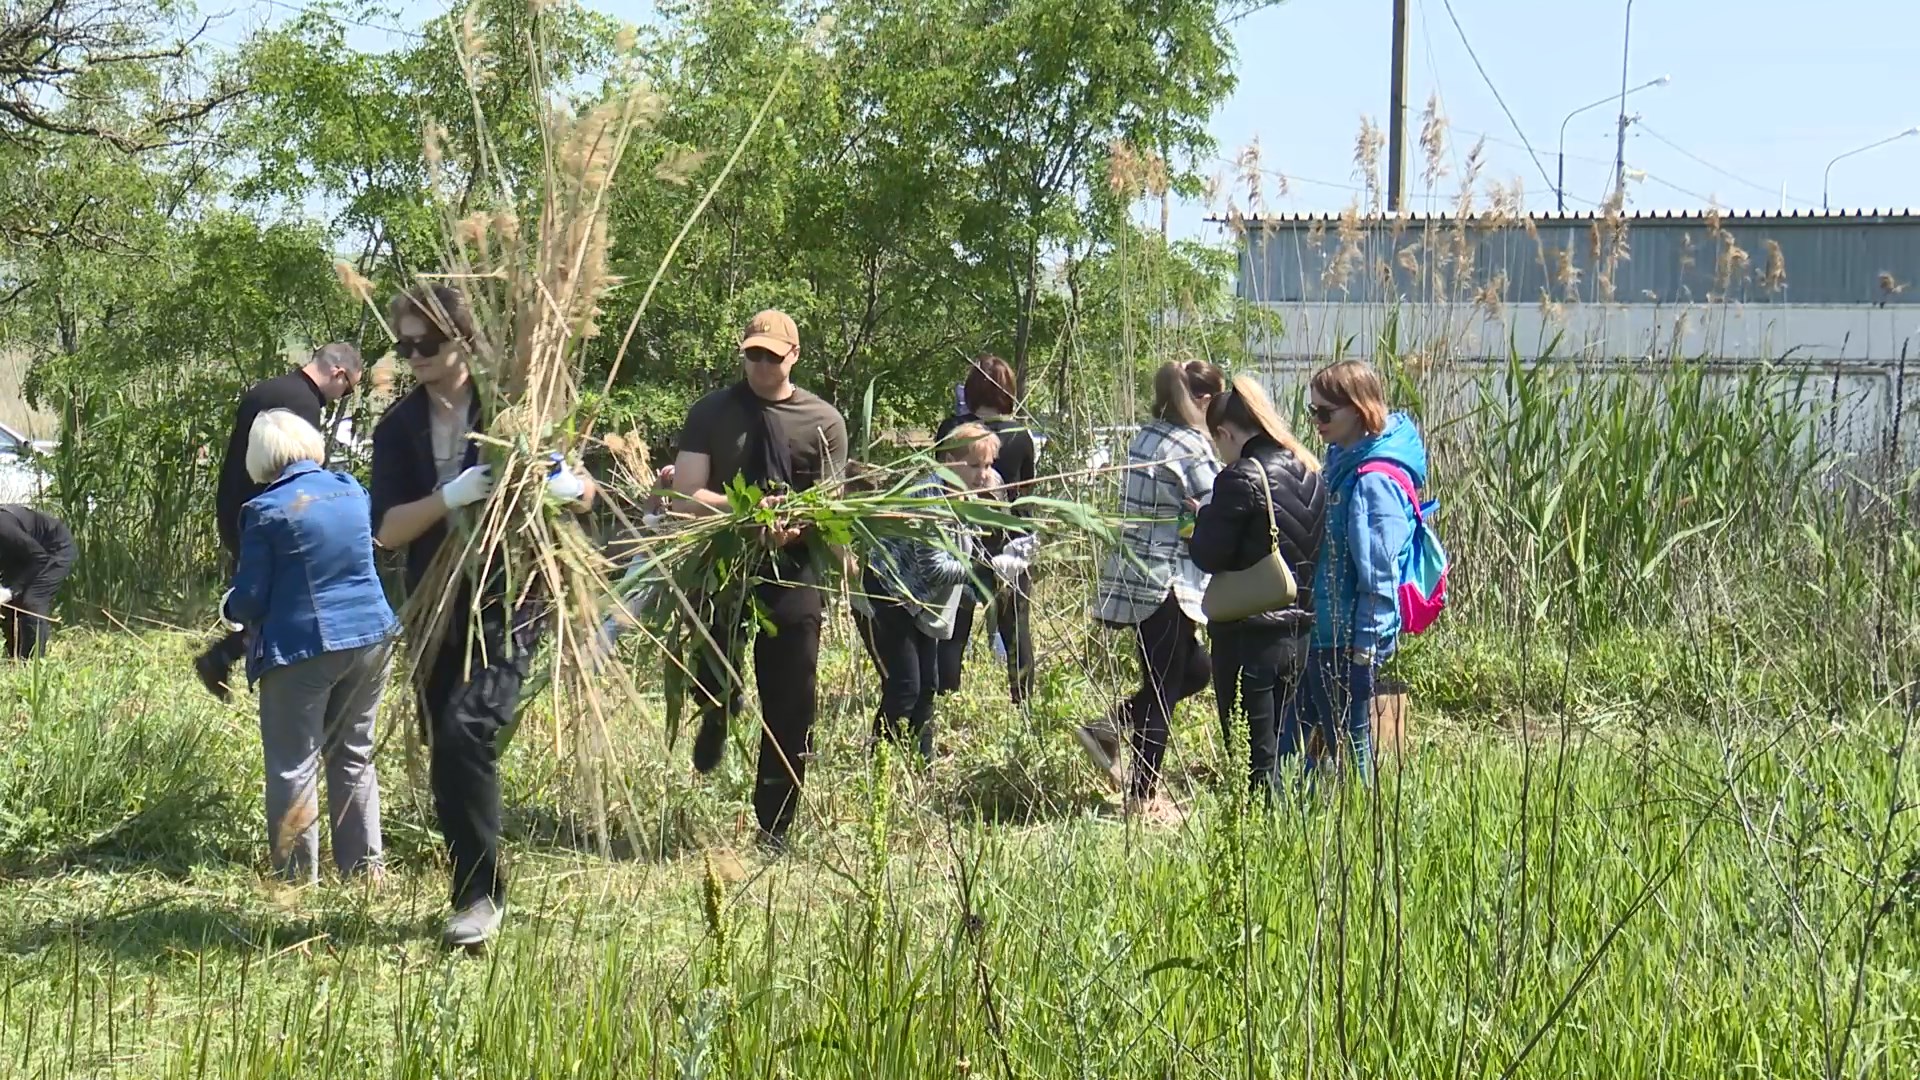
(323, 708)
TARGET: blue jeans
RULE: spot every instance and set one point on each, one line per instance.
(1335, 699)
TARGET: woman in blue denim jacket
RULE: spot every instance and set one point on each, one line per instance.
(1356, 622)
(322, 646)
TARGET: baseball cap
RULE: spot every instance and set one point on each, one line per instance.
(773, 331)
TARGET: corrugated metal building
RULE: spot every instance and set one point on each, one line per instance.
(1861, 258)
(1834, 295)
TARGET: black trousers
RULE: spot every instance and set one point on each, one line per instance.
(467, 697)
(909, 660)
(27, 627)
(1255, 670)
(786, 662)
(1174, 666)
(1012, 617)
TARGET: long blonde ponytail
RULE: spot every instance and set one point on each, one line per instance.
(1245, 405)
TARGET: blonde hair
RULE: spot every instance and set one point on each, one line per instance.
(279, 439)
(974, 444)
(1173, 397)
(1355, 383)
(1246, 406)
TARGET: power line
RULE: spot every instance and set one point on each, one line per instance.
(1698, 160)
(1290, 178)
(306, 9)
(1704, 200)
(1484, 77)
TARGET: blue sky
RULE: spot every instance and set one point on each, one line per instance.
(1764, 94)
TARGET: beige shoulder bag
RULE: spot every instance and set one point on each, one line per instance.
(1265, 586)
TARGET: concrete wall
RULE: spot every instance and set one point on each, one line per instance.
(1847, 360)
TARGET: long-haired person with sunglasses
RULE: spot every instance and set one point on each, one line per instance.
(426, 473)
(329, 374)
(1270, 498)
(1370, 522)
(1151, 585)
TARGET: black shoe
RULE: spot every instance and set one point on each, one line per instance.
(771, 844)
(709, 743)
(214, 675)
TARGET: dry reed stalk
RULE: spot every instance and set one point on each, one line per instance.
(1774, 280)
(1366, 160)
(1346, 259)
(534, 272)
(1433, 142)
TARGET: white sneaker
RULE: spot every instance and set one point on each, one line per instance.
(474, 925)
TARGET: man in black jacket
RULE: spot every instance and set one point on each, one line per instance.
(36, 552)
(329, 375)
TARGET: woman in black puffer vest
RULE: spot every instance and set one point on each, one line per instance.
(1257, 660)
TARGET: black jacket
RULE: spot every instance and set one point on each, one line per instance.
(404, 472)
(294, 392)
(30, 543)
(1231, 531)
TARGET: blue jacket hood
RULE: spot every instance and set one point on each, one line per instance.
(1399, 443)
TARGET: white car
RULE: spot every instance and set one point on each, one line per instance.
(23, 475)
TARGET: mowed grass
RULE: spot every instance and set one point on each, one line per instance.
(1701, 879)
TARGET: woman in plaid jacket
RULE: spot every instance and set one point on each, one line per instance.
(1151, 586)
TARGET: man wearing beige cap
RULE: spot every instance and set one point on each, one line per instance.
(781, 439)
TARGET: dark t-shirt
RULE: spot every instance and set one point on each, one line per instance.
(294, 392)
(816, 436)
(816, 439)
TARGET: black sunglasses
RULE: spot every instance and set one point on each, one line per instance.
(757, 355)
(407, 348)
(1323, 414)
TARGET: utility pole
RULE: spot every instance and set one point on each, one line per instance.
(1397, 121)
(1620, 140)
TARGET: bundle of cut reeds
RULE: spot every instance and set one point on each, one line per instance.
(534, 273)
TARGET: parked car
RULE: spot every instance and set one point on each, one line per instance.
(23, 472)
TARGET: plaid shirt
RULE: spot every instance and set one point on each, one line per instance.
(1166, 465)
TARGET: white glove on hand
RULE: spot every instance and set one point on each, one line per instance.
(6, 596)
(1023, 547)
(1008, 568)
(563, 484)
(224, 617)
(471, 486)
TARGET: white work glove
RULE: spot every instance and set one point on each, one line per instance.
(471, 486)
(1023, 547)
(224, 617)
(564, 484)
(6, 596)
(1008, 569)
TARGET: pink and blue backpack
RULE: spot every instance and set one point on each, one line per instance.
(1424, 563)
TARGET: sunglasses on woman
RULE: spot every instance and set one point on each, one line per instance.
(408, 348)
(1323, 414)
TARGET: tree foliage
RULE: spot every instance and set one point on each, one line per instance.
(933, 180)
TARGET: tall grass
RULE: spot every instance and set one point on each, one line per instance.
(1725, 895)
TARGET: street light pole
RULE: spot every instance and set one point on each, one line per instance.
(1560, 183)
(1826, 178)
(1620, 139)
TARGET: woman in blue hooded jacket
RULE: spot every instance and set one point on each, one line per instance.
(1370, 522)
